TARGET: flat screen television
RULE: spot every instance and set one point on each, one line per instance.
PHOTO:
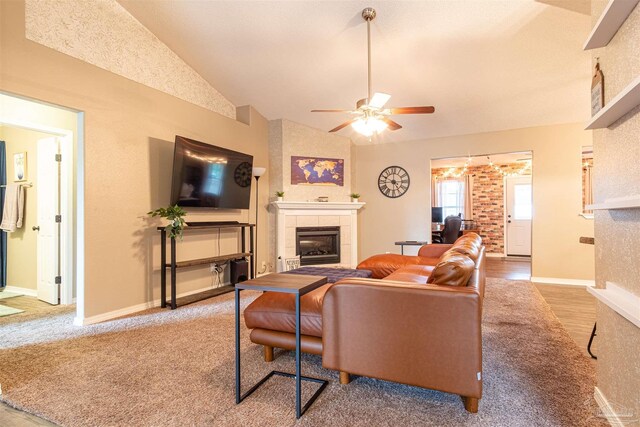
(207, 176)
(436, 215)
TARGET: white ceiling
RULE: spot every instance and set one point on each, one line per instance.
(499, 159)
(485, 65)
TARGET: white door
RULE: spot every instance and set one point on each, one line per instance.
(48, 198)
(518, 211)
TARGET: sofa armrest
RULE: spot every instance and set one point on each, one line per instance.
(433, 250)
(383, 265)
(423, 335)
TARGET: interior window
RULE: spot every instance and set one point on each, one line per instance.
(451, 197)
(523, 208)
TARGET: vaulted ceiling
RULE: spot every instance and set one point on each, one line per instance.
(485, 65)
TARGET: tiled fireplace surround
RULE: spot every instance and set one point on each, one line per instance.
(290, 215)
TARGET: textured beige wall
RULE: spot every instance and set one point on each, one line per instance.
(556, 252)
(22, 244)
(129, 134)
(288, 139)
(616, 174)
(103, 33)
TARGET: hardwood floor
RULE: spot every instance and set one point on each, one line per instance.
(511, 269)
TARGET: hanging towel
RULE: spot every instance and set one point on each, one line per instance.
(13, 208)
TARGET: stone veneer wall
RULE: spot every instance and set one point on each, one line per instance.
(104, 34)
(617, 232)
(488, 202)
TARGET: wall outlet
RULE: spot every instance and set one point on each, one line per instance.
(212, 267)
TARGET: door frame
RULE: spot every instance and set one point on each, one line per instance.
(68, 241)
(504, 218)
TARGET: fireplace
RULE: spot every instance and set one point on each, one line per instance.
(318, 245)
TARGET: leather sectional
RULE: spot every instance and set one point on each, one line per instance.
(417, 321)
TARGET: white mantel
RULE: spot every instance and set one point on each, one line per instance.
(290, 214)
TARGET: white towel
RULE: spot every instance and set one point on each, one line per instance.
(13, 208)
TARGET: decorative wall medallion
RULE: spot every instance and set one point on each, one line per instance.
(242, 174)
(393, 181)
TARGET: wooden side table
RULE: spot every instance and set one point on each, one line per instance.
(298, 285)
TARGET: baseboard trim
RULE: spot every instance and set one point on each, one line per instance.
(559, 281)
(489, 255)
(26, 291)
(131, 309)
(607, 410)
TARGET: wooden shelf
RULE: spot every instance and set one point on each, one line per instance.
(609, 23)
(619, 300)
(632, 202)
(209, 225)
(624, 102)
(209, 260)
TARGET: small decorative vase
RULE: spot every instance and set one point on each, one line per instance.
(354, 200)
(280, 198)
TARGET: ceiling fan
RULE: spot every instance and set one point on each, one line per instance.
(369, 115)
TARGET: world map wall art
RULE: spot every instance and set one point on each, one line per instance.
(317, 171)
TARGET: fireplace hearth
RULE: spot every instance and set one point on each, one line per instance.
(318, 245)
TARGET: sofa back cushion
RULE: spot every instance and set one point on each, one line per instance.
(454, 269)
(383, 265)
(468, 245)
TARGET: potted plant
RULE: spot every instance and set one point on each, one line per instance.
(280, 195)
(355, 197)
(175, 216)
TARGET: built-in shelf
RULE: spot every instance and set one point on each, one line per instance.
(632, 202)
(624, 102)
(619, 300)
(609, 22)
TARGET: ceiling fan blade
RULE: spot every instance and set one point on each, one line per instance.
(412, 110)
(343, 125)
(330, 111)
(392, 125)
(378, 100)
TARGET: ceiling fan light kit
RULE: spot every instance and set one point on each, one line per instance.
(370, 117)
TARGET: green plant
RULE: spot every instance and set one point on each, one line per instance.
(175, 215)
(280, 193)
(355, 195)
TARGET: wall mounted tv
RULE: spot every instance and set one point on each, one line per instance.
(207, 176)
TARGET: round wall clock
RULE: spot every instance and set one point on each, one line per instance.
(393, 181)
(242, 174)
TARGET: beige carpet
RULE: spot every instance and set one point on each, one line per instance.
(176, 368)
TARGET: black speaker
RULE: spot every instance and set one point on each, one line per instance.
(239, 271)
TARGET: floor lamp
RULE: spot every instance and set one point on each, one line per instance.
(257, 173)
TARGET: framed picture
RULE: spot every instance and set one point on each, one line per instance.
(20, 167)
(317, 171)
(597, 90)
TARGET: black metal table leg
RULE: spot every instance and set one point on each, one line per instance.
(173, 273)
(163, 268)
(298, 373)
(593, 334)
(238, 382)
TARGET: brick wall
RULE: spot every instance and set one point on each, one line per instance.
(488, 202)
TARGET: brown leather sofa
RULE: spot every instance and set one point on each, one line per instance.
(416, 322)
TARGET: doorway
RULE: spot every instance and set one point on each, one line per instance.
(475, 188)
(518, 214)
(53, 212)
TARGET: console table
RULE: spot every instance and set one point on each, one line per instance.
(297, 284)
(174, 265)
